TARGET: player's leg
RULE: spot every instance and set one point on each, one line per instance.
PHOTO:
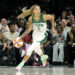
(27, 56)
(39, 51)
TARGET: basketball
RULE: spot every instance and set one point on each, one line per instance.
(18, 42)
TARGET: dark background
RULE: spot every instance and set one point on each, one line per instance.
(9, 7)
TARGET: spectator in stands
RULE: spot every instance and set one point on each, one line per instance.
(58, 47)
(63, 15)
(71, 19)
(71, 44)
(12, 34)
(66, 29)
(3, 26)
(14, 19)
(22, 24)
(69, 12)
(64, 25)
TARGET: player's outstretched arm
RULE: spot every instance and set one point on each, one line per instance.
(28, 30)
(51, 18)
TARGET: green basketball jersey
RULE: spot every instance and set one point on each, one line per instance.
(39, 28)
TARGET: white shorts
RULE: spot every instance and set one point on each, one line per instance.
(36, 47)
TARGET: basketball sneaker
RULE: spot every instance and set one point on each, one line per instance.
(19, 67)
(44, 60)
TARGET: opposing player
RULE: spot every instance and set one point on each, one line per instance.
(37, 22)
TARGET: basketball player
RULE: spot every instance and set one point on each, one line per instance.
(37, 22)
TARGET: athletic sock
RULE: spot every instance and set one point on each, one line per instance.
(23, 61)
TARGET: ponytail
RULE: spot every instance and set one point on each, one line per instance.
(27, 12)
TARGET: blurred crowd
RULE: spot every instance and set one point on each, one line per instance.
(60, 46)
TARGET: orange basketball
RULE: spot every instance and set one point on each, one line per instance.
(18, 42)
